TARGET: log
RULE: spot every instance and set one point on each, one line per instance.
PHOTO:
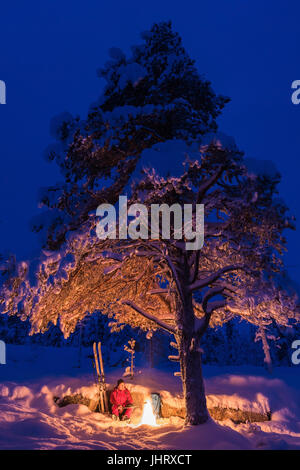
(93, 403)
(167, 410)
(219, 414)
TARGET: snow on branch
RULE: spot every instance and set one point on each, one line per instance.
(150, 317)
(208, 308)
(201, 283)
(206, 185)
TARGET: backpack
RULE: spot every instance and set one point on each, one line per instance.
(156, 404)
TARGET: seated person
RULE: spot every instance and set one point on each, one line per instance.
(121, 401)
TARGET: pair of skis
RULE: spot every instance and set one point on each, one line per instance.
(103, 403)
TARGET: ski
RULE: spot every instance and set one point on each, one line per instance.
(99, 380)
(102, 377)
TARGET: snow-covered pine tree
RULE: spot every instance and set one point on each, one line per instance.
(156, 95)
(152, 283)
(268, 304)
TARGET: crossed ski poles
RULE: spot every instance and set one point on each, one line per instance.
(101, 377)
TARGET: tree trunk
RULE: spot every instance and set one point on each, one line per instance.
(266, 348)
(191, 367)
(193, 386)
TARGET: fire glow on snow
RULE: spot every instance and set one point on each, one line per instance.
(148, 416)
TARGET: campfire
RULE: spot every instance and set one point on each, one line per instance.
(148, 417)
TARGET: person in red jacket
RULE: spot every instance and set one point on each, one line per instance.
(121, 401)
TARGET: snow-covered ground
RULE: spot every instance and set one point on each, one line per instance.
(29, 419)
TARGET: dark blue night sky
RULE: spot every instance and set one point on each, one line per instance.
(50, 52)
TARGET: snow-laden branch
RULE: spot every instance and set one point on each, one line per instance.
(161, 291)
(125, 254)
(176, 278)
(150, 317)
(215, 305)
(201, 283)
(209, 183)
(209, 308)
